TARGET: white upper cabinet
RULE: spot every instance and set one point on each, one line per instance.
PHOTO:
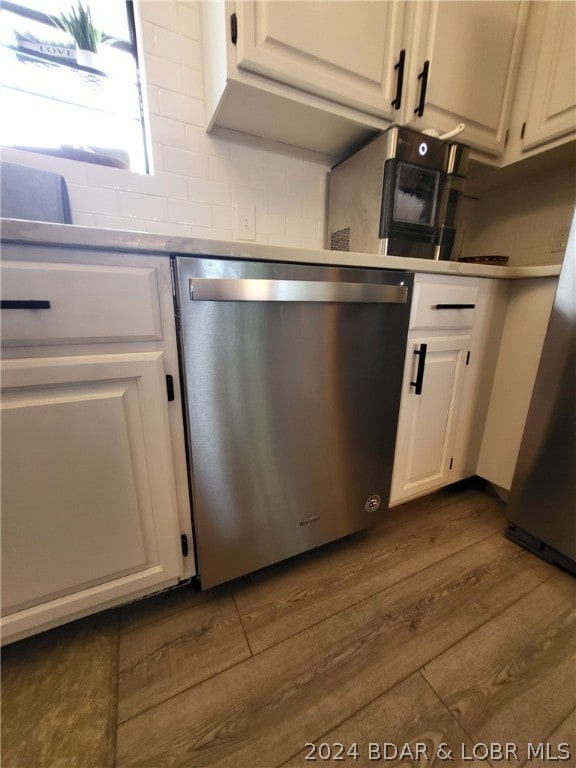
(551, 111)
(466, 56)
(344, 51)
(329, 75)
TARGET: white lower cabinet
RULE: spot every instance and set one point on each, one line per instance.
(92, 511)
(455, 328)
(432, 387)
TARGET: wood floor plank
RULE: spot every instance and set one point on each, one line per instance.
(514, 679)
(562, 741)
(261, 712)
(162, 658)
(381, 730)
(59, 696)
(157, 607)
(293, 596)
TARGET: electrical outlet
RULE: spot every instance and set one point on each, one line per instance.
(246, 223)
(560, 239)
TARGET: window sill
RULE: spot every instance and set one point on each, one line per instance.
(81, 154)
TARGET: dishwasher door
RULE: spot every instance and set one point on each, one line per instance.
(292, 377)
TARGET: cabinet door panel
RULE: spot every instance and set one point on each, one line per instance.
(345, 51)
(86, 476)
(474, 50)
(422, 457)
(552, 110)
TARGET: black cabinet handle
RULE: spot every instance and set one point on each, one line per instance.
(420, 372)
(399, 67)
(454, 306)
(24, 304)
(423, 77)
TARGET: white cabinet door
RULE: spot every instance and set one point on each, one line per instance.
(427, 413)
(473, 51)
(89, 514)
(552, 107)
(344, 51)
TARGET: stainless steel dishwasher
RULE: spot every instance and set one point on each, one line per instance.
(292, 377)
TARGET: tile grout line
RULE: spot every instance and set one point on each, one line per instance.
(446, 707)
(252, 654)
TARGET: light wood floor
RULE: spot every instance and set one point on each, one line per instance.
(430, 629)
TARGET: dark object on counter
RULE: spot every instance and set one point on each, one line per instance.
(501, 260)
(29, 193)
(542, 506)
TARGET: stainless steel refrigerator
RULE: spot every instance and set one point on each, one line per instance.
(542, 505)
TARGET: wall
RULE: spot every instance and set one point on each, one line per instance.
(521, 219)
(200, 180)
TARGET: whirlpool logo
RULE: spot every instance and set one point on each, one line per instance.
(372, 503)
(308, 521)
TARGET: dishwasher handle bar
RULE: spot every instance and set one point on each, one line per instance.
(239, 289)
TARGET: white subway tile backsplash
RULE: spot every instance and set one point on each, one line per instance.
(303, 228)
(286, 205)
(84, 219)
(207, 191)
(290, 242)
(245, 148)
(167, 44)
(153, 99)
(164, 73)
(192, 84)
(148, 36)
(298, 184)
(229, 169)
(117, 178)
(270, 224)
(244, 195)
(270, 179)
(186, 109)
(520, 219)
(160, 14)
(166, 131)
(93, 199)
(149, 207)
(189, 20)
(119, 222)
(209, 143)
(182, 161)
(169, 185)
(190, 213)
(223, 217)
(190, 53)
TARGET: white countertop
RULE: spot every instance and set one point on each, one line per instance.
(73, 236)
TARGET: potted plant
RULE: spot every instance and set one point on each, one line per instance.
(78, 23)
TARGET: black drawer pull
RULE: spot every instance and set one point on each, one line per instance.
(399, 67)
(420, 372)
(24, 304)
(423, 77)
(454, 306)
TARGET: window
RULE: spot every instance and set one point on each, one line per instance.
(55, 101)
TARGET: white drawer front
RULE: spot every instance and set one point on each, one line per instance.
(86, 304)
(440, 305)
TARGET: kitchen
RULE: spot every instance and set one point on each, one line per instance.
(201, 184)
